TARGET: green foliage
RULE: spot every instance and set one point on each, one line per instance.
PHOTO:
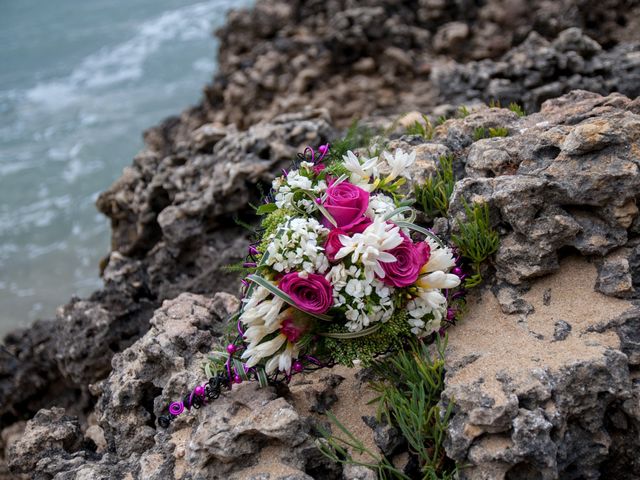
(498, 132)
(441, 119)
(336, 448)
(356, 136)
(514, 107)
(409, 386)
(493, 103)
(480, 132)
(423, 129)
(266, 208)
(477, 241)
(433, 196)
(388, 336)
(463, 111)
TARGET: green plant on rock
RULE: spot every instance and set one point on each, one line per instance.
(463, 111)
(481, 132)
(409, 385)
(432, 197)
(409, 390)
(517, 109)
(476, 239)
(340, 448)
(357, 136)
(423, 129)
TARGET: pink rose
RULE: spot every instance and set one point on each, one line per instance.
(346, 203)
(312, 294)
(333, 244)
(410, 258)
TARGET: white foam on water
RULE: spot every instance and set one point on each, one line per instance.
(124, 62)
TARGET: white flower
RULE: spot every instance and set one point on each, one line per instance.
(400, 163)
(438, 279)
(440, 258)
(361, 172)
(285, 187)
(261, 311)
(369, 247)
(278, 350)
(298, 244)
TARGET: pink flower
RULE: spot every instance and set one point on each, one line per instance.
(312, 293)
(318, 168)
(347, 204)
(333, 243)
(410, 258)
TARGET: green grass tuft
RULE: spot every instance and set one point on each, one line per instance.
(432, 197)
(477, 240)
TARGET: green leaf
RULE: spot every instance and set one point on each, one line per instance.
(422, 230)
(266, 208)
(239, 366)
(397, 211)
(262, 377)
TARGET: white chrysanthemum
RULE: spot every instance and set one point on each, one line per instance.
(361, 172)
(369, 247)
(399, 163)
(298, 246)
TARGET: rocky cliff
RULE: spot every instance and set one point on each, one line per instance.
(562, 187)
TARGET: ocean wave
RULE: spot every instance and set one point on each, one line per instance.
(125, 61)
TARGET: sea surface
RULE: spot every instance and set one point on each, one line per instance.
(79, 82)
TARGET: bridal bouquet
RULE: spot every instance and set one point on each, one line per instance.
(339, 273)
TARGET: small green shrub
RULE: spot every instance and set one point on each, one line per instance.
(514, 107)
(433, 196)
(425, 130)
(477, 241)
(409, 386)
(441, 119)
(463, 111)
(480, 132)
(357, 136)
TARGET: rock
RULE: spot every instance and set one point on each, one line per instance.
(357, 472)
(528, 407)
(561, 331)
(614, 275)
(538, 70)
(549, 199)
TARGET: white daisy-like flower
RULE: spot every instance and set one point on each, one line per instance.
(361, 172)
(369, 247)
(399, 163)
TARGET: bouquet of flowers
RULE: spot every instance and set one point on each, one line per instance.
(338, 273)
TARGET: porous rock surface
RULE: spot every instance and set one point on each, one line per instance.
(360, 57)
(539, 69)
(530, 403)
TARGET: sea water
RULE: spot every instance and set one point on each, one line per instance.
(79, 82)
